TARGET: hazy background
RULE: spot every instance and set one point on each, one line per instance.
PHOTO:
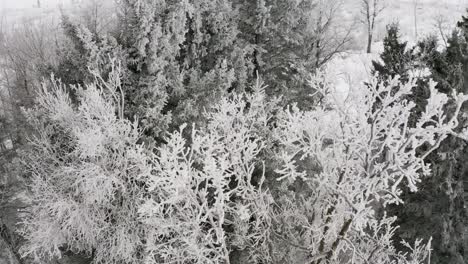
(20, 4)
(353, 65)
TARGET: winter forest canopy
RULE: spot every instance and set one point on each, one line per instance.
(233, 131)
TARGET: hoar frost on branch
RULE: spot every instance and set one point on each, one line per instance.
(199, 192)
(198, 200)
(362, 151)
(84, 165)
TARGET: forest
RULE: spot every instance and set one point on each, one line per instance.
(221, 132)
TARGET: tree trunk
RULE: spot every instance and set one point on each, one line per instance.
(317, 54)
(369, 43)
(256, 55)
(415, 2)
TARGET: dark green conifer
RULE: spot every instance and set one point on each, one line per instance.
(437, 210)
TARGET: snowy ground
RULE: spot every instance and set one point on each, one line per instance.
(350, 70)
(403, 12)
(426, 13)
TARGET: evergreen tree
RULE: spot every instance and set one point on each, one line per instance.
(179, 57)
(395, 59)
(437, 210)
(291, 39)
(399, 60)
(97, 191)
(280, 33)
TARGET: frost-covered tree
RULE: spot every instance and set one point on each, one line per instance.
(24, 55)
(206, 198)
(80, 51)
(215, 198)
(179, 57)
(25, 50)
(398, 59)
(84, 169)
(438, 209)
(291, 38)
(347, 171)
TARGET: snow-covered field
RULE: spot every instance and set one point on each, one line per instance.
(424, 14)
(405, 12)
(351, 69)
(427, 13)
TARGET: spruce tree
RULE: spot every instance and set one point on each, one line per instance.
(395, 59)
(291, 39)
(398, 60)
(179, 57)
(437, 210)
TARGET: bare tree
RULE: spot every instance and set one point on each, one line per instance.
(330, 38)
(442, 25)
(370, 10)
(25, 55)
(97, 16)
